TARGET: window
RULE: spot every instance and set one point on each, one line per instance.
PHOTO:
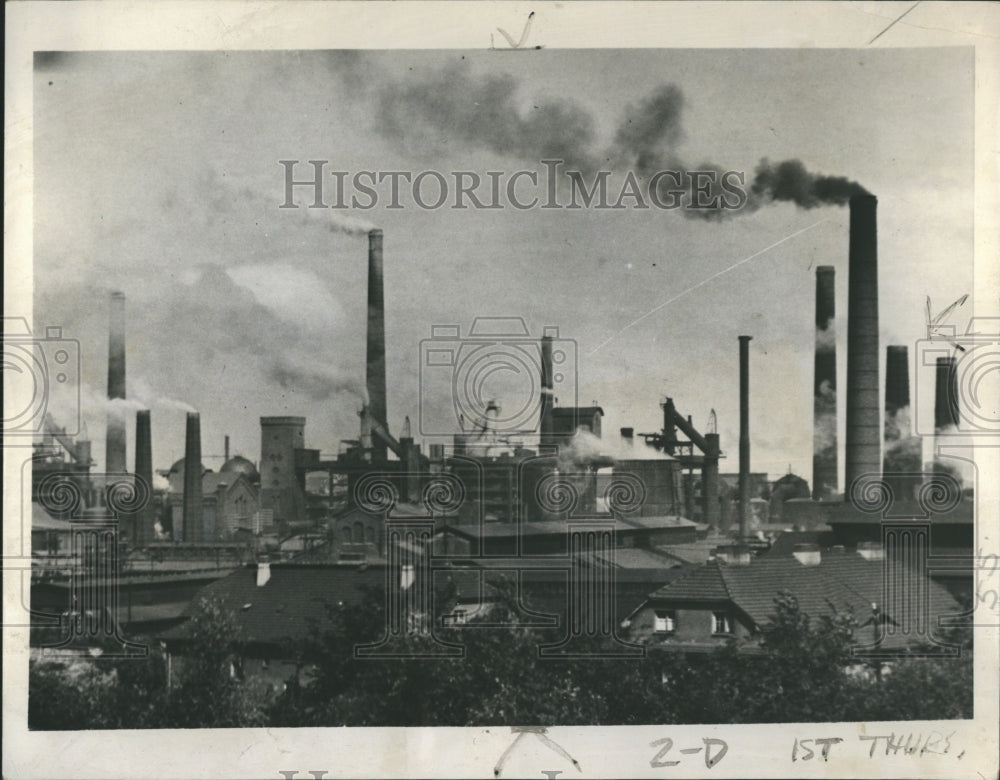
(664, 621)
(721, 624)
(456, 618)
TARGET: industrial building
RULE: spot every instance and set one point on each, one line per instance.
(483, 501)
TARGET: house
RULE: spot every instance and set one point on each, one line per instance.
(276, 607)
(719, 601)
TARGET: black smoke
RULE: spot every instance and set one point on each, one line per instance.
(452, 105)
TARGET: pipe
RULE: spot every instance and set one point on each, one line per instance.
(142, 528)
(114, 453)
(375, 366)
(864, 426)
(193, 511)
(744, 480)
(825, 387)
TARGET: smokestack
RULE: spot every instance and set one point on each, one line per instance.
(226, 449)
(710, 482)
(945, 394)
(902, 450)
(825, 387)
(193, 510)
(744, 482)
(864, 428)
(142, 529)
(376, 341)
(545, 424)
(897, 384)
(114, 452)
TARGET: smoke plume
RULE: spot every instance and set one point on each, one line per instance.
(486, 112)
(316, 384)
(790, 181)
(491, 112)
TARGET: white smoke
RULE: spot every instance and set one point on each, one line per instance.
(826, 339)
(585, 447)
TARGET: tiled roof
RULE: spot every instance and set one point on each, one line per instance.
(704, 583)
(842, 580)
(285, 608)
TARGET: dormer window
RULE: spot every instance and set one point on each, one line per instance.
(721, 623)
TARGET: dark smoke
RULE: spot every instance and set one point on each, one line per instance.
(452, 105)
(485, 111)
(790, 181)
(650, 131)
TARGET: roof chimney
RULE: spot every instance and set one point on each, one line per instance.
(807, 554)
(864, 428)
(871, 551)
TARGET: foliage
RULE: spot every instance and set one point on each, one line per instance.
(802, 670)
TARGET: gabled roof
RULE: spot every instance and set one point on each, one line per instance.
(843, 581)
(295, 597)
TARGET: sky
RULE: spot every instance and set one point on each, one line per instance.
(157, 174)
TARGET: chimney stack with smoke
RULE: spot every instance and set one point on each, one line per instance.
(114, 454)
(193, 514)
(864, 428)
(142, 529)
(375, 372)
(825, 388)
(744, 477)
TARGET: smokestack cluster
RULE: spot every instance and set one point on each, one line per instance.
(142, 529)
(193, 511)
(864, 429)
(825, 387)
(114, 452)
(744, 478)
(375, 371)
